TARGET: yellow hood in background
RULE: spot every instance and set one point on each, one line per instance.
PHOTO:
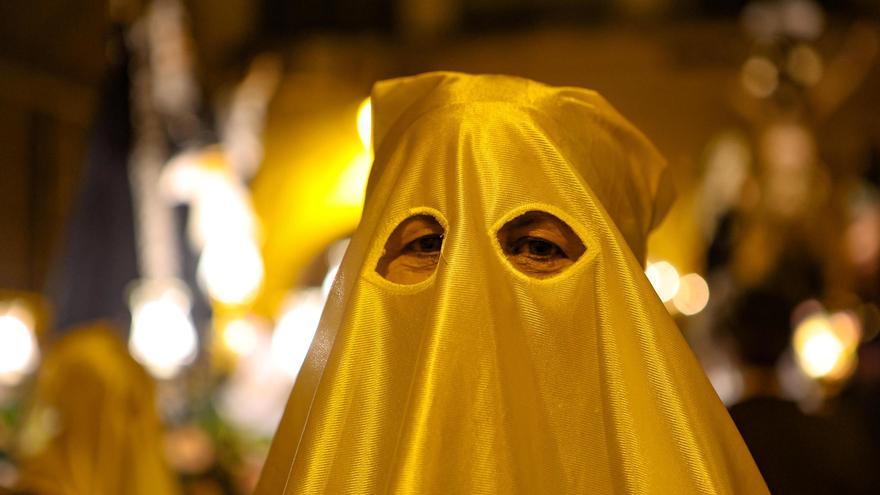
(93, 426)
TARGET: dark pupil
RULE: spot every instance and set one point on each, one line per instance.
(541, 248)
(430, 243)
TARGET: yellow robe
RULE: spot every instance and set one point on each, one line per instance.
(93, 427)
(481, 379)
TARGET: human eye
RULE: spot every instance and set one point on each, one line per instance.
(426, 245)
(412, 251)
(539, 244)
(537, 248)
(537, 256)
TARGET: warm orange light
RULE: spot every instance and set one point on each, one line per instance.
(664, 277)
(692, 295)
(825, 346)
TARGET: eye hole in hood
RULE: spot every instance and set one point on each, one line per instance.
(539, 244)
(412, 251)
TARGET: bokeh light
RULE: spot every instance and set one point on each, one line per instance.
(220, 203)
(162, 334)
(802, 18)
(761, 20)
(295, 331)
(862, 239)
(240, 336)
(253, 398)
(664, 277)
(231, 270)
(222, 224)
(759, 76)
(825, 345)
(727, 169)
(221, 209)
(692, 295)
(805, 65)
(18, 345)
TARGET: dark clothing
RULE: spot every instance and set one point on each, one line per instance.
(802, 455)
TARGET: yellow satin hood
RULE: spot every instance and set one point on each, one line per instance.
(481, 379)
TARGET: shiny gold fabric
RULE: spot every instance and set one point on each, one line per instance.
(93, 428)
(482, 379)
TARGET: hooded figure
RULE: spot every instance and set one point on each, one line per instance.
(491, 329)
(93, 427)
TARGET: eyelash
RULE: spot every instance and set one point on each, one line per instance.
(530, 242)
(415, 246)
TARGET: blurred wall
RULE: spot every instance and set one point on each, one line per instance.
(51, 58)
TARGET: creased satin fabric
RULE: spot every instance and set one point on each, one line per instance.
(481, 379)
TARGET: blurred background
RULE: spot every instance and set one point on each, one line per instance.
(178, 179)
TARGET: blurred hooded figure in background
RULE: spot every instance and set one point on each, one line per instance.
(491, 329)
(93, 427)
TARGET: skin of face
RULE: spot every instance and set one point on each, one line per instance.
(536, 243)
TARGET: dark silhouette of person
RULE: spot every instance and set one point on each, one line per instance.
(797, 453)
